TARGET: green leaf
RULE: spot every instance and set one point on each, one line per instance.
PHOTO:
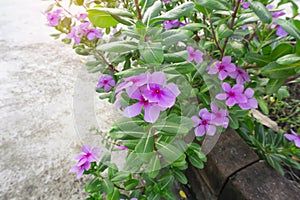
(152, 12)
(263, 105)
(176, 13)
(175, 57)
(281, 50)
(180, 177)
(132, 72)
(289, 60)
(193, 27)
(152, 53)
(214, 4)
(146, 144)
(196, 161)
(182, 68)
(166, 180)
(175, 125)
(78, 2)
(273, 85)
(260, 60)
(107, 186)
(82, 51)
(274, 70)
(115, 195)
(112, 170)
(101, 19)
(131, 184)
(93, 186)
(261, 11)
(171, 37)
(120, 176)
(170, 152)
(153, 166)
(118, 47)
(289, 28)
(233, 122)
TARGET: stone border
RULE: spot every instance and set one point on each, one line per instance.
(234, 171)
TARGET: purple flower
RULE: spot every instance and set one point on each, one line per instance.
(204, 124)
(277, 14)
(244, 26)
(245, 5)
(224, 68)
(84, 30)
(233, 95)
(81, 16)
(280, 31)
(197, 55)
(84, 160)
(73, 35)
(53, 17)
(152, 94)
(251, 102)
(240, 75)
(167, 1)
(174, 23)
(80, 169)
(294, 137)
(132, 83)
(157, 92)
(151, 110)
(269, 6)
(219, 115)
(107, 82)
(92, 34)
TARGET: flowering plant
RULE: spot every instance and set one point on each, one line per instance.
(179, 71)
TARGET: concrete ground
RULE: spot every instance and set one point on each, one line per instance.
(46, 107)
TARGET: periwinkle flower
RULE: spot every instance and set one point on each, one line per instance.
(204, 124)
(152, 93)
(167, 1)
(245, 5)
(294, 137)
(219, 115)
(251, 101)
(53, 17)
(84, 160)
(232, 95)
(107, 82)
(195, 55)
(240, 76)
(84, 30)
(151, 110)
(280, 31)
(173, 23)
(92, 34)
(224, 68)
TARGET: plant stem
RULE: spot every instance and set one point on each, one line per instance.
(57, 2)
(236, 8)
(138, 9)
(106, 62)
(214, 35)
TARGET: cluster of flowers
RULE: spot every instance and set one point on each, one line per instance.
(85, 159)
(235, 94)
(279, 30)
(106, 82)
(206, 122)
(84, 30)
(77, 32)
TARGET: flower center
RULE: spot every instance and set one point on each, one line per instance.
(231, 94)
(221, 67)
(204, 122)
(105, 81)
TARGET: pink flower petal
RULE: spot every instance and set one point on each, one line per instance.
(210, 130)
(226, 60)
(221, 96)
(151, 113)
(190, 49)
(173, 88)
(157, 78)
(226, 87)
(133, 110)
(196, 120)
(199, 131)
(231, 102)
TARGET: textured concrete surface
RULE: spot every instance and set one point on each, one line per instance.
(42, 81)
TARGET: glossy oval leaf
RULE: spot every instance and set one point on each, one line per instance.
(101, 19)
(118, 46)
(289, 60)
(281, 50)
(261, 11)
(214, 4)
